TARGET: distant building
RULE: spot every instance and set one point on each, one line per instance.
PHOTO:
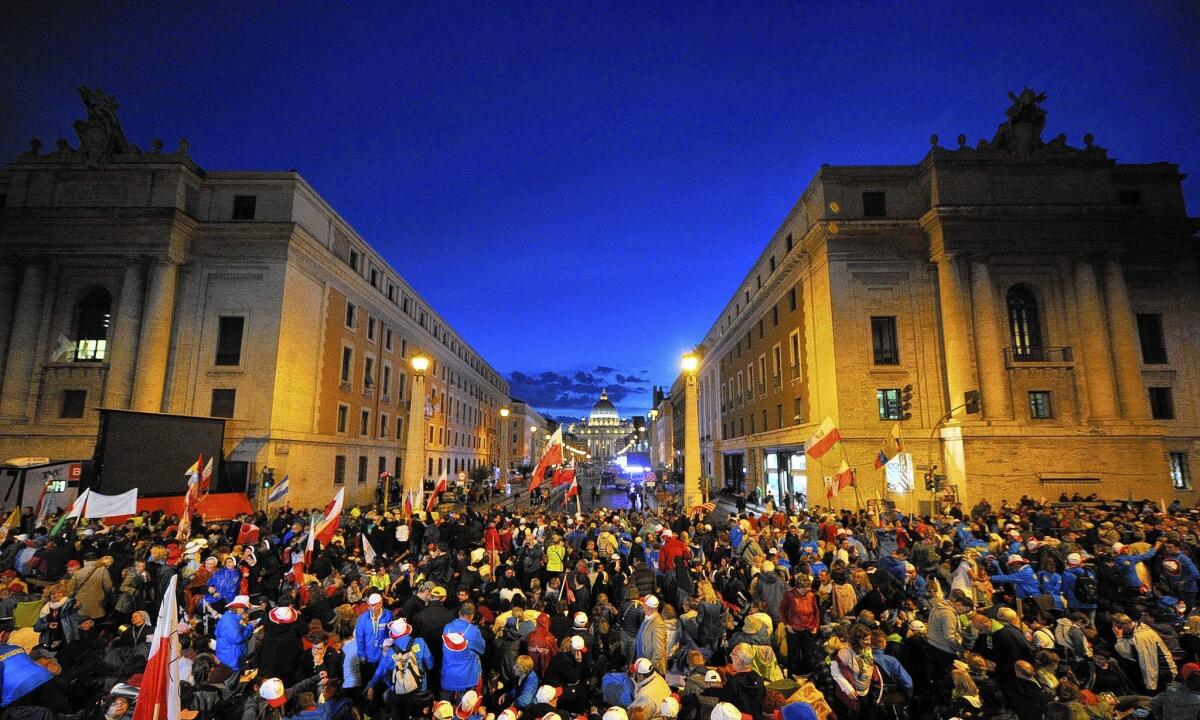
(135, 279)
(604, 432)
(527, 431)
(1058, 284)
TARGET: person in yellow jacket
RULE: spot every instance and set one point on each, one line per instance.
(556, 555)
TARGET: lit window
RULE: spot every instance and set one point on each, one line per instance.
(1181, 476)
(92, 321)
(1039, 405)
(890, 405)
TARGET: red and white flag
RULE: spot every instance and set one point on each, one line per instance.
(822, 440)
(552, 456)
(841, 481)
(300, 560)
(408, 504)
(572, 489)
(205, 483)
(437, 493)
(328, 525)
(248, 533)
(158, 696)
(562, 476)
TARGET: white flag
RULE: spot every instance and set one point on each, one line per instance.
(368, 551)
(102, 506)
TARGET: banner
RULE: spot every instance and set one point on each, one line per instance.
(102, 506)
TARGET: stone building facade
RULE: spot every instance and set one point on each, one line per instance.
(604, 430)
(138, 280)
(527, 429)
(1058, 284)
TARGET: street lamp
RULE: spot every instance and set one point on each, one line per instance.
(692, 495)
(504, 413)
(414, 442)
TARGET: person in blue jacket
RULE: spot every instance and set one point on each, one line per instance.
(19, 674)
(463, 647)
(1181, 574)
(233, 633)
(370, 631)
(400, 641)
(1021, 577)
(224, 583)
(1052, 585)
(1127, 566)
(1070, 580)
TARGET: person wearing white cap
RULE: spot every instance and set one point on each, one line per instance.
(233, 633)
(651, 640)
(1021, 577)
(568, 672)
(411, 655)
(615, 713)
(370, 630)
(1080, 586)
(725, 711)
(669, 708)
(649, 687)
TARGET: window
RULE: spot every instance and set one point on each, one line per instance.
(777, 364)
(790, 242)
(883, 341)
(760, 331)
(222, 403)
(1024, 328)
(758, 282)
(374, 278)
(779, 415)
(399, 467)
(775, 315)
(72, 403)
(351, 315)
(752, 430)
(339, 470)
(387, 339)
(352, 261)
(764, 416)
(792, 300)
(400, 380)
(91, 325)
(797, 411)
(772, 263)
(1181, 476)
(368, 372)
(1162, 406)
(403, 347)
(364, 425)
(391, 292)
(1039, 405)
(1150, 333)
(370, 328)
(762, 374)
(347, 363)
(889, 404)
(383, 425)
(244, 206)
(386, 384)
(229, 340)
(874, 204)
(794, 349)
(1129, 197)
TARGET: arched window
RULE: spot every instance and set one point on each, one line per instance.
(92, 317)
(1024, 327)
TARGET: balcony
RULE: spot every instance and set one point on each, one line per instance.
(1039, 356)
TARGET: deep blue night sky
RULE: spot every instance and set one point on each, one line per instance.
(580, 190)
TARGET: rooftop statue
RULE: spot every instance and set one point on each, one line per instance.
(100, 136)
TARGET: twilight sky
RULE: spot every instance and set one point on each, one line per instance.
(579, 187)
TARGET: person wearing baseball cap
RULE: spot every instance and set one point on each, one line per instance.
(233, 633)
(1021, 577)
(280, 649)
(651, 640)
(370, 630)
(1134, 575)
(649, 687)
(1182, 581)
(544, 701)
(410, 653)
(1080, 586)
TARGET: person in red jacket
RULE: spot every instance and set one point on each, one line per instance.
(801, 617)
(672, 547)
(542, 644)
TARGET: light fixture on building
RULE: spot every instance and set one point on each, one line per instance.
(690, 363)
(420, 363)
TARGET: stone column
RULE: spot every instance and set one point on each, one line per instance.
(955, 299)
(1125, 346)
(692, 494)
(1093, 335)
(414, 439)
(8, 296)
(23, 342)
(122, 349)
(989, 345)
(155, 343)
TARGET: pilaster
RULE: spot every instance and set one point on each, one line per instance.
(993, 376)
(1125, 348)
(1093, 335)
(154, 345)
(23, 342)
(123, 348)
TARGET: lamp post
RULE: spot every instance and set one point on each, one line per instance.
(653, 436)
(692, 495)
(414, 442)
(504, 413)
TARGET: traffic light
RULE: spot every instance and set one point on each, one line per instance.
(971, 402)
(268, 477)
(906, 402)
(929, 481)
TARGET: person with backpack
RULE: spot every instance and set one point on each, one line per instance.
(405, 665)
(1080, 587)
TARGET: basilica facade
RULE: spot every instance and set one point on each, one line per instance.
(605, 433)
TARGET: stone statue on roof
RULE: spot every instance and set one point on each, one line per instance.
(1021, 133)
(100, 136)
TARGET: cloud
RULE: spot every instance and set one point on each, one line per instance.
(604, 370)
(631, 379)
(575, 392)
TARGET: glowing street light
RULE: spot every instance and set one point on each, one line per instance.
(692, 495)
(420, 363)
(414, 444)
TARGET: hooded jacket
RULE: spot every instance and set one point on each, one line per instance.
(461, 667)
(770, 589)
(369, 635)
(232, 637)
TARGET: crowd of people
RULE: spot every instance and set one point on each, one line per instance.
(1066, 611)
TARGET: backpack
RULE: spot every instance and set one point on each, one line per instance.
(406, 677)
(1087, 591)
(617, 689)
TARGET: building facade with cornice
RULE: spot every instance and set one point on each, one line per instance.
(1058, 284)
(138, 280)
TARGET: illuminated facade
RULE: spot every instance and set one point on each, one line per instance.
(605, 433)
(138, 280)
(1058, 284)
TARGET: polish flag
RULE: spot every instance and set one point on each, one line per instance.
(158, 696)
(328, 525)
(408, 504)
(300, 560)
(841, 481)
(562, 476)
(552, 456)
(437, 493)
(572, 490)
(206, 479)
(248, 533)
(822, 440)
